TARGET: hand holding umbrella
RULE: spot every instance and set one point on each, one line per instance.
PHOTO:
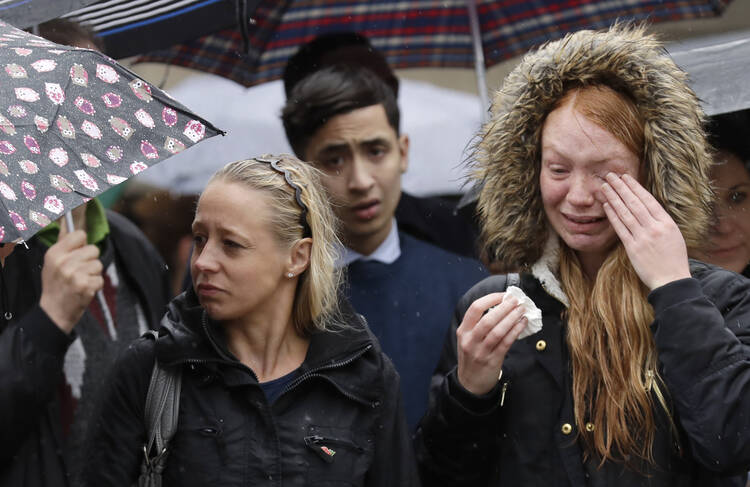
(71, 275)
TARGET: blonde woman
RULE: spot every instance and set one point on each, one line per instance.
(279, 385)
(595, 182)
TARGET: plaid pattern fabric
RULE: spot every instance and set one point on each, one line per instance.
(416, 33)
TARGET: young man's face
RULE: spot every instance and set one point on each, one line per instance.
(363, 159)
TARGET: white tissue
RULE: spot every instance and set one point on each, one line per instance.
(531, 312)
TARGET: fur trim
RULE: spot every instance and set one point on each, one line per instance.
(546, 267)
(676, 155)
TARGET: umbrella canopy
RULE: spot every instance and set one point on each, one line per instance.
(718, 67)
(440, 124)
(74, 123)
(130, 27)
(411, 33)
(26, 13)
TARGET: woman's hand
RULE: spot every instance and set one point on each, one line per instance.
(651, 238)
(485, 338)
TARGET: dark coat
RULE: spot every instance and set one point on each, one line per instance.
(346, 399)
(514, 435)
(32, 349)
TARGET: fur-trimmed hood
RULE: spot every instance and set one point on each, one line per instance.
(676, 155)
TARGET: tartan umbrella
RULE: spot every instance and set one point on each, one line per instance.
(413, 33)
(74, 123)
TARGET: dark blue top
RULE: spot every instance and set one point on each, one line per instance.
(273, 388)
(409, 305)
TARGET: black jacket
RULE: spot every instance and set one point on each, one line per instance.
(514, 435)
(32, 349)
(345, 399)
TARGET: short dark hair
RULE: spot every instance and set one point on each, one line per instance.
(350, 48)
(730, 132)
(332, 91)
(69, 33)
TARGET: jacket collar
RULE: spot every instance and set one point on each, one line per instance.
(187, 335)
(545, 269)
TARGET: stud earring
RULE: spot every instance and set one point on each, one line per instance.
(290, 275)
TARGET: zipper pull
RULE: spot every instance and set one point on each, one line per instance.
(502, 395)
(313, 442)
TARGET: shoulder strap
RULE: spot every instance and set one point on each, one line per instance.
(512, 279)
(161, 413)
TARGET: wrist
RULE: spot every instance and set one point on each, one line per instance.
(58, 318)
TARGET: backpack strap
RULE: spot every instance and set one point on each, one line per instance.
(161, 414)
(512, 279)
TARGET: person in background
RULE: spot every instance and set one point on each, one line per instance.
(729, 235)
(595, 184)
(436, 220)
(58, 342)
(281, 382)
(345, 121)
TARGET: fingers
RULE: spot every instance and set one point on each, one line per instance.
(478, 309)
(483, 338)
(628, 206)
(646, 198)
(510, 338)
(621, 229)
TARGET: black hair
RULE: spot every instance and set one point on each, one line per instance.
(730, 132)
(332, 91)
(69, 33)
(348, 48)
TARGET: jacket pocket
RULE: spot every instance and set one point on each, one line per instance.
(336, 456)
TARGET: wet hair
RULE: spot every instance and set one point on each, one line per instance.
(332, 91)
(69, 33)
(315, 302)
(730, 132)
(346, 48)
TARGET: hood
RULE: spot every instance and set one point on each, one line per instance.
(676, 156)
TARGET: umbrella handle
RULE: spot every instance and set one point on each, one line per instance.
(69, 222)
(99, 294)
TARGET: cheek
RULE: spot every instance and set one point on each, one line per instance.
(553, 192)
(335, 186)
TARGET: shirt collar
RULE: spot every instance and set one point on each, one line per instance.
(387, 252)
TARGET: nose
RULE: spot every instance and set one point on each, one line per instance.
(204, 258)
(582, 190)
(360, 176)
(723, 222)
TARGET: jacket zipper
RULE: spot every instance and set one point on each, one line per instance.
(309, 374)
(320, 445)
(314, 373)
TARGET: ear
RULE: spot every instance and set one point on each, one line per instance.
(403, 148)
(299, 256)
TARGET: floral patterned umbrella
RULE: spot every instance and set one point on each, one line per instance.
(74, 123)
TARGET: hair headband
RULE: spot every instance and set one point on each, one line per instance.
(274, 163)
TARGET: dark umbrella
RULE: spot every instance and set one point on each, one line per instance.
(130, 27)
(74, 123)
(416, 33)
(26, 13)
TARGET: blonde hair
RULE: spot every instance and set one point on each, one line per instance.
(316, 300)
(612, 350)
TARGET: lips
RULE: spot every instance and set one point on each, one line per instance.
(584, 223)
(207, 290)
(366, 210)
(585, 219)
